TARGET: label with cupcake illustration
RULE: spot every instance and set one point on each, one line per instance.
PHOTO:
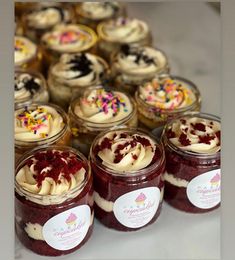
(67, 229)
(203, 191)
(136, 208)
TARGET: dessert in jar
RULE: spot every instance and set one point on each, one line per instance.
(116, 32)
(27, 55)
(53, 200)
(30, 86)
(43, 18)
(192, 176)
(127, 166)
(67, 38)
(97, 110)
(165, 97)
(91, 13)
(40, 124)
(72, 74)
(132, 65)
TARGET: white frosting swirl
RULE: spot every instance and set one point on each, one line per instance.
(125, 151)
(37, 123)
(81, 69)
(24, 50)
(101, 106)
(69, 38)
(195, 134)
(124, 30)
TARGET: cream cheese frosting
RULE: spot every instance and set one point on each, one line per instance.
(195, 134)
(37, 123)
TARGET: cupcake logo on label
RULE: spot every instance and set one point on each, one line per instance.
(136, 208)
(67, 229)
(203, 191)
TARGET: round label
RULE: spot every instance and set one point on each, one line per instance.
(203, 191)
(67, 229)
(136, 208)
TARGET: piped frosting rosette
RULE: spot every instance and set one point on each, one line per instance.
(103, 107)
(195, 134)
(123, 30)
(124, 151)
(37, 122)
(69, 38)
(81, 69)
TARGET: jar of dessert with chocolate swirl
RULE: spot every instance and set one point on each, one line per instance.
(192, 176)
(72, 74)
(128, 166)
(53, 200)
(164, 98)
(122, 30)
(132, 66)
(98, 109)
(40, 124)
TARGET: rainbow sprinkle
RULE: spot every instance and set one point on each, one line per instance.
(20, 46)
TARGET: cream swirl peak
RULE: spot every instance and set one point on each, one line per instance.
(140, 61)
(24, 50)
(101, 106)
(37, 123)
(99, 10)
(79, 69)
(124, 30)
(51, 172)
(167, 93)
(195, 134)
(124, 151)
(69, 38)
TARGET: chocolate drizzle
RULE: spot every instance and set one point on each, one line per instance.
(28, 82)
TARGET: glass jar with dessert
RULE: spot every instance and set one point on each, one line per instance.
(97, 110)
(53, 200)
(164, 98)
(122, 30)
(30, 86)
(67, 38)
(132, 66)
(192, 176)
(40, 124)
(72, 74)
(27, 55)
(92, 13)
(127, 166)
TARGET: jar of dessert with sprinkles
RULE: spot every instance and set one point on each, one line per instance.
(72, 74)
(128, 166)
(192, 176)
(164, 98)
(97, 110)
(53, 200)
(40, 124)
(132, 66)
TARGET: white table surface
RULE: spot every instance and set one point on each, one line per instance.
(190, 36)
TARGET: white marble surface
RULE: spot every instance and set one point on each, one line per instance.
(190, 35)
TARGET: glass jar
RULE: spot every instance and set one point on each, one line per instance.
(30, 86)
(52, 221)
(92, 13)
(40, 124)
(165, 98)
(192, 176)
(67, 38)
(128, 192)
(97, 110)
(22, 7)
(72, 74)
(18, 27)
(132, 66)
(116, 32)
(27, 55)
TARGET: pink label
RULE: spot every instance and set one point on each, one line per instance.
(203, 191)
(136, 208)
(67, 229)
